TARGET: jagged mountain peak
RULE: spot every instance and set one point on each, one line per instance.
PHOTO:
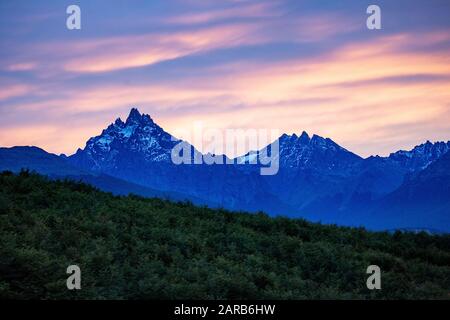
(304, 140)
(304, 151)
(139, 136)
(428, 146)
(136, 117)
(134, 112)
(304, 136)
(294, 136)
(421, 155)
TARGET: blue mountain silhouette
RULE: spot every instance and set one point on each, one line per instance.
(317, 179)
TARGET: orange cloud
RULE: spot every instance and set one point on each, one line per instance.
(345, 112)
(13, 90)
(137, 51)
(376, 91)
(121, 52)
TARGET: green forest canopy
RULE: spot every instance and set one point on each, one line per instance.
(137, 248)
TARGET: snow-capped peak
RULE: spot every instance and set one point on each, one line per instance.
(138, 136)
(135, 117)
(304, 151)
(422, 155)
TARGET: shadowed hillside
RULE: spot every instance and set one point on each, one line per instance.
(136, 248)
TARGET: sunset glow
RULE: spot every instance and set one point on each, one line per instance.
(230, 65)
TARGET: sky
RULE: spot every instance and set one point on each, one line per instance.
(289, 65)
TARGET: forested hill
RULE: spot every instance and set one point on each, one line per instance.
(137, 248)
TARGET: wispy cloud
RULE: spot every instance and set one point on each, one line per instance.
(277, 64)
(8, 91)
(24, 66)
(247, 10)
(136, 51)
(106, 54)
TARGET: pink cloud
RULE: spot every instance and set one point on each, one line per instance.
(136, 51)
(121, 52)
(8, 91)
(249, 10)
(315, 94)
(22, 66)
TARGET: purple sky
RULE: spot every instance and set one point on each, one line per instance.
(286, 65)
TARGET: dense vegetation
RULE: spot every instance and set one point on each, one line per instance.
(136, 248)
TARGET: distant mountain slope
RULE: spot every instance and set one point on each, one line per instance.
(35, 159)
(139, 151)
(317, 179)
(136, 248)
(378, 176)
(312, 171)
(422, 200)
(309, 153)
(420, 156)
(17, 158)
(430, 184)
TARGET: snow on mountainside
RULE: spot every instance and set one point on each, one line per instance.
(138, 136)
(420, 156)
(307, 152)
(317, 179)
(303, 151)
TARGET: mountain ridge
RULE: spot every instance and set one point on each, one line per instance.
(317, 179)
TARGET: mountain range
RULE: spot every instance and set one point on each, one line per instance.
(317, 179)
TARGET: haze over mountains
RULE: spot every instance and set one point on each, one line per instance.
(317, 179)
